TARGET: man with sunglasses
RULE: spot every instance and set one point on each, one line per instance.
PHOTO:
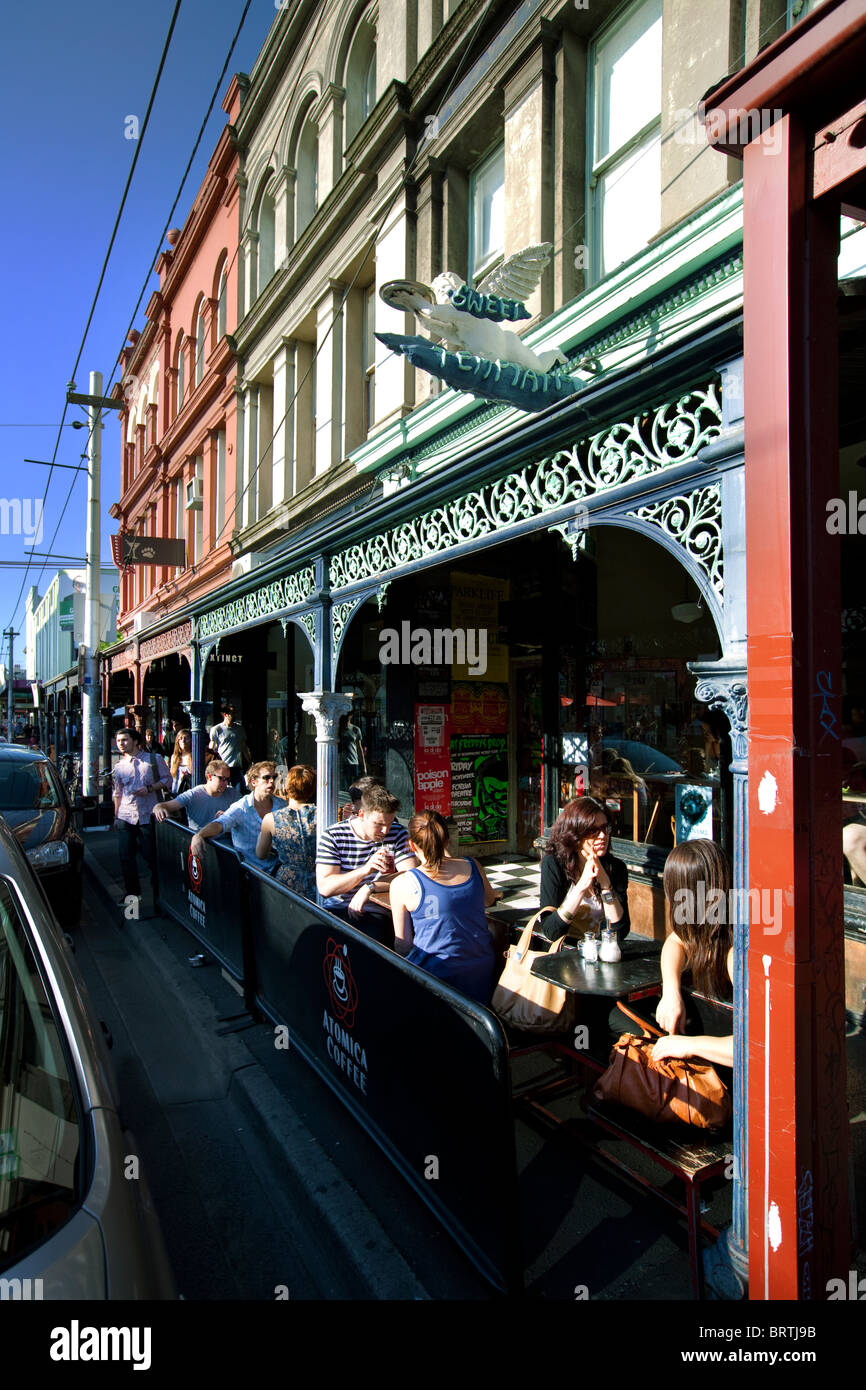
(244, 819)
(203, 804)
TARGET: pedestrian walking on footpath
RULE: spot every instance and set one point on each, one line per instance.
(138, 777)
(229, 742)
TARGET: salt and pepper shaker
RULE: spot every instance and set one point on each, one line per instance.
(609, 949)
(589, 947)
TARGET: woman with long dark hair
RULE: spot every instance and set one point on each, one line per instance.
(579, 875)
(181, 762)
(697, 885)
(438, 911)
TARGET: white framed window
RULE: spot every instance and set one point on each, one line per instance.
(179, 514)
(487, 213)
(220, 490)
(625, 137)
(368, 357)
(198, 512)
(267, 238)
(360, 78)
(200, 344)
(307, 187)
(222, 302)
(181, 373)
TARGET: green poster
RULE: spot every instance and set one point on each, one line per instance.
(479, 787)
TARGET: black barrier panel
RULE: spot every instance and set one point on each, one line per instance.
(203, 893)
(421, 1067)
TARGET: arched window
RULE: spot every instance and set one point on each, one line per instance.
(307, 195)
(181, 373)
(200, 344)
(266, 230)
(222, 302)
(360, 78)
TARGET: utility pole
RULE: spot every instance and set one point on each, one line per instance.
(10, 681)
(90, 701)
(90, 720)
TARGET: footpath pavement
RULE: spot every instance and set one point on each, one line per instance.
(265, 1183)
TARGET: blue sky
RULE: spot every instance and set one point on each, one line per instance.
(73, 74)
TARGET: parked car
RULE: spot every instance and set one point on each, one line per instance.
(76, 1218)
(37, 806)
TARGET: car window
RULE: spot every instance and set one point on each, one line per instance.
(26, 786)
(39, 1127)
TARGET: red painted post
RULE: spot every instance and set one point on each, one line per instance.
(797, 1120)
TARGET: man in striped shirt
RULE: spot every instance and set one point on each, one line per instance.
(355, 853)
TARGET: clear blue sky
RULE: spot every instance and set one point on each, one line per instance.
(72, 75)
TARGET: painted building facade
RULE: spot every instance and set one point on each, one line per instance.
(178, 425)
(599, 543)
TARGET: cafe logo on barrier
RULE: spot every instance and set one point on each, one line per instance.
(195, 871)
(343, 1049)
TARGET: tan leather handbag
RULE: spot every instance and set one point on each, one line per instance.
(522, 999)
(675, 1089)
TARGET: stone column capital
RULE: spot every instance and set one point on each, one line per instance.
(327, 708)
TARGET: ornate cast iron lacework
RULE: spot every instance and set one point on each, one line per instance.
(637, 448)
(270, 599)
(165, 642)
(340, 615)
(695, 521)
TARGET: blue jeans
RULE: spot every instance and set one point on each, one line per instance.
(131, 839)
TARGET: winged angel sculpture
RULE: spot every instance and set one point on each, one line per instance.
(478, 353)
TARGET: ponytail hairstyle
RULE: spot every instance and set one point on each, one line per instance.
(429, 832)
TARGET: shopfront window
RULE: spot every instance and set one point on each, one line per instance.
(551, 678)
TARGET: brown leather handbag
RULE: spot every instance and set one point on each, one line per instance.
(674, 1090)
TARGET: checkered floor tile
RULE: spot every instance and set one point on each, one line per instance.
(517, 879)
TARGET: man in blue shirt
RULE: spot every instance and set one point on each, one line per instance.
(244, 819)
(203, 804)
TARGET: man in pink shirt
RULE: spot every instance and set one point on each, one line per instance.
(137, 777)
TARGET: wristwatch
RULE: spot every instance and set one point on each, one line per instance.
(608, 896)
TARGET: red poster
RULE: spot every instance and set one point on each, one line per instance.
(433, 758)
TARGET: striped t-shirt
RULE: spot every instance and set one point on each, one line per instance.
(343, 849)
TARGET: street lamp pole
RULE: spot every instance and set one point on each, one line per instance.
(90, 721)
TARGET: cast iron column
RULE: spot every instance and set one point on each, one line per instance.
(326, 707)
(197, 711)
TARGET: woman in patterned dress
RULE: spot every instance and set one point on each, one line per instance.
(291, 833)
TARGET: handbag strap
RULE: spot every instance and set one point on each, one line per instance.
(526, 934)
(649, 1029)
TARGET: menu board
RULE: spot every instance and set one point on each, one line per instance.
(479, 787)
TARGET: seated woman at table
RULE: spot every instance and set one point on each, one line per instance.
(291, 833)
(579, 875)
(701, 941)
(438, 911)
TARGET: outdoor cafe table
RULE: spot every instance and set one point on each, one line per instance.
(638, 973)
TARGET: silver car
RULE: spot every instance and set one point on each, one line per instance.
(76, 1218)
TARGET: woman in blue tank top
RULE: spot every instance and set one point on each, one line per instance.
(438, 910)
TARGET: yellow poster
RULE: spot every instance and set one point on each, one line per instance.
(475, 600)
